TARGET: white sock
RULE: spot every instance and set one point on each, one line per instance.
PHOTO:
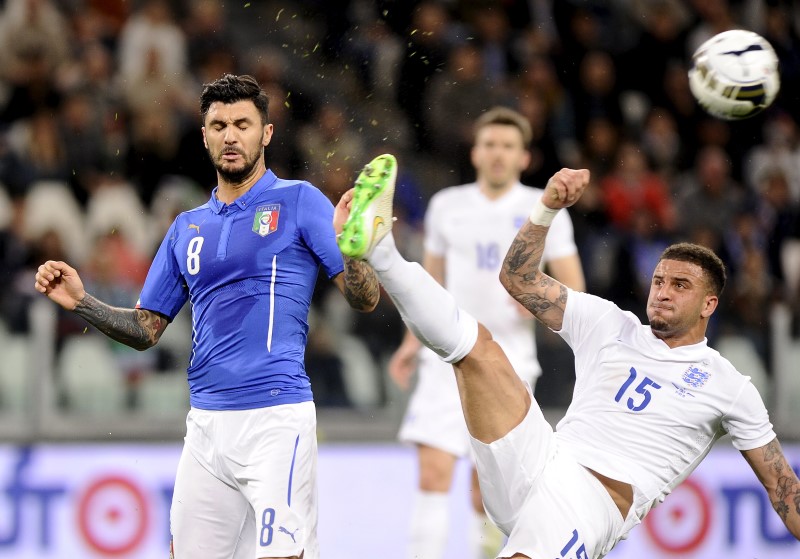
(428, 310)
(430, 523)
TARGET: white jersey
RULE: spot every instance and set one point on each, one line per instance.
(646, 414)
(473, 233)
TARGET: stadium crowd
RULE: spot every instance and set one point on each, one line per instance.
(100, 142)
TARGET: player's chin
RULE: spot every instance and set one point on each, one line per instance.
(659, 325)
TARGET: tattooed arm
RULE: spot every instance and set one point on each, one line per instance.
(521, 276)
(780, 481)
(137, 328)
(359, 284)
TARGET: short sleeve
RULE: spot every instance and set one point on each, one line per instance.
(748, 421)
(584, 314)
(435, 242)
(315, 223)
(165, 290)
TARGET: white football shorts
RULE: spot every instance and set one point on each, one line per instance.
(542, 499)
(246, 485)
(434, 416)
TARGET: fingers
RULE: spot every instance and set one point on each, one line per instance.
(566, 186)
(346, 198)
(48, 273)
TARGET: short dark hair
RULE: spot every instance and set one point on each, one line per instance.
(230, 89)
(703, 257)
(506, 117)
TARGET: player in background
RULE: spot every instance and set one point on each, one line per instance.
(649, 400)
(468, 230)
(247, 260)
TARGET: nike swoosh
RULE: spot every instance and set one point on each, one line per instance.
(377, 222)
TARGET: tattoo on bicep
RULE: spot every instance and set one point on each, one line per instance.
(133, 327)
(361, 288)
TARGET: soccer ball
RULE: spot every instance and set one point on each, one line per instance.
(734, 75)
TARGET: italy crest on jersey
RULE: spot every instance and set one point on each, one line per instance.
(695, 377)
(266, 219)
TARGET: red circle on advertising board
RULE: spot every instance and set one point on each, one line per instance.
(92, 493)
(654, 521)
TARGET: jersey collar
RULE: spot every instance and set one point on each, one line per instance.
(243, 201)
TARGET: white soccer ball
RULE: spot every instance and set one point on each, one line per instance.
(735, 75)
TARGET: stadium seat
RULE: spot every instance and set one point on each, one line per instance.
(6, 210)
(741, 352)
(117, 207)
(165, 394)
(50, 206)
(785, 356)
(361, 376)
(90, 376)
(13, 372)
(790, 261)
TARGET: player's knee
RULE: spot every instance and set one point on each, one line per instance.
(435, 477)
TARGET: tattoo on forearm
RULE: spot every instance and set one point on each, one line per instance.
(361, 287)
(525, 255)
(133, 327)
(787, 486)
(536, 291)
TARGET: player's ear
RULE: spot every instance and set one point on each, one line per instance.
(710, 303)
(205, 142)
(267, 137)
(525, 160)
(473, 157)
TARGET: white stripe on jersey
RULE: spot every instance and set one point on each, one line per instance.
(272, 301)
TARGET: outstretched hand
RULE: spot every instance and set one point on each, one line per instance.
(342, 211)
(565, 188)
(61, 283)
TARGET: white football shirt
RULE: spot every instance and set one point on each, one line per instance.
(473, 234)
(644, 413)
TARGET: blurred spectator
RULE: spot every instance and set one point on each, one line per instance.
(662, 43)
(599, 147)
(151, 34)
(538, 77)
(783, 37)
(779, 219)
(37, 141)
(207, 35)
(329, 141)
(427, 47)
(597, 95)
(15, 172)
(455, 98)
(82, 128)
(780, 150)
(662, 144)
(633, 190)
(545, 160)
(377, 53)
(715, 17)
(493, 37)
(708, 195)
(31, 29)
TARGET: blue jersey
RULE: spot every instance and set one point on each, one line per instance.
(248, 268)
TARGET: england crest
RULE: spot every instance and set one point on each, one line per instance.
(266, 219)
(695, 377)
